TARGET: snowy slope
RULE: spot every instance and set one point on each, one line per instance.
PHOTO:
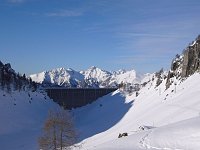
(100, 123)
(22, 117)
(178, 136)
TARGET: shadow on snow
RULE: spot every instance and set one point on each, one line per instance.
(101, 115)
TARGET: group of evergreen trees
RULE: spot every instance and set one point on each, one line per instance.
(11, 81)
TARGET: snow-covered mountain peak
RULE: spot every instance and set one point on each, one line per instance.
(126, 76)
(60, 76)
(93, 67)
(96, 73)
(71, 70)
(61, 69)
(97, 77)
(120, 71)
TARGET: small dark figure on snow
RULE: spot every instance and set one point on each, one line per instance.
(123, 134)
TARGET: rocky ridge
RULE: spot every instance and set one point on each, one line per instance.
(185, 64)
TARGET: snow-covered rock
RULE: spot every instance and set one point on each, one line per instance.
(61, 77)
(97, 76)
(92, 77)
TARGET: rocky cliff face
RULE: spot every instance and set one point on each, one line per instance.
(191, 61)
(185, 64)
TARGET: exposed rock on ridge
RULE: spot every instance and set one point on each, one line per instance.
(191, 61)
(186, 64)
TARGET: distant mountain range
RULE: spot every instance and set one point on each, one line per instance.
(93, 77)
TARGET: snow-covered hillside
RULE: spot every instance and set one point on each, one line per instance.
(22, 117)
(169, 112)
(93, 77)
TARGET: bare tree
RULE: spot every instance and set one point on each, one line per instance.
(58, 131)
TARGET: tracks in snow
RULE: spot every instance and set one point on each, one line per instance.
(145, 143)
(144, 140)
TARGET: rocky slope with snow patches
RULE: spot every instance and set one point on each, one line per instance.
(93, 77)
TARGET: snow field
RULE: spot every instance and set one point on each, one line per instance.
(164, 109)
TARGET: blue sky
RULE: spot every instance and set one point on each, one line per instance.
(144, 35)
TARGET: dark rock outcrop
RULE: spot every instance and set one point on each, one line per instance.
(191, 61)
(186, 64)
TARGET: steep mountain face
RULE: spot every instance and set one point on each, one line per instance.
(93, 77)
(191, 59)
(185, 64)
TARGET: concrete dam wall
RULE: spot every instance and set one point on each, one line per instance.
(76, 97)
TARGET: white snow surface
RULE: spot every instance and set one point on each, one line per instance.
(22, 119)
(194, 42)
(174, 115)
(183, 135)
